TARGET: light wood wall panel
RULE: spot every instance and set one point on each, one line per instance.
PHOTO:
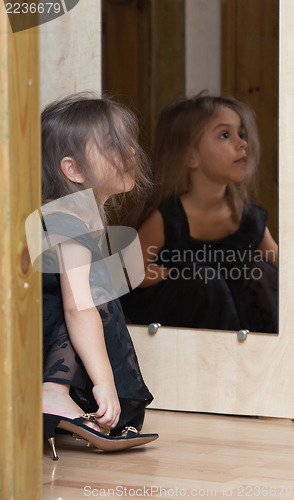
(20, 292)
(70, 48)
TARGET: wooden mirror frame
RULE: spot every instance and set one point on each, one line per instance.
(212, 371)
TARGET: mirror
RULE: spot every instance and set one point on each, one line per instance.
(155, 51)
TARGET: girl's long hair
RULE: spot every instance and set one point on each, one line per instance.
(180, 126)
(70, 124)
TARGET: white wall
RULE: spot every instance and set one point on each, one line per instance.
(70, 52)
(203, 46)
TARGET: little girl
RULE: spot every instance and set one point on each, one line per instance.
(89, 145)
(209, 256)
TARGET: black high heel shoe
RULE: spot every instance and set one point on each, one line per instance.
(129, 438)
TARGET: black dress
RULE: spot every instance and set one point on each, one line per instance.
(222, 284)
(61, 364)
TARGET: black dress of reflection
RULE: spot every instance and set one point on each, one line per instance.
(61, 364)
(209, 285)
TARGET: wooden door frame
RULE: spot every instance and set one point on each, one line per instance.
(20, 312)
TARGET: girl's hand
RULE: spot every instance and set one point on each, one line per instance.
(108, 412)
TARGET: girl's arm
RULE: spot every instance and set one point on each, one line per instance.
(269, 247)
(85, 329)
(151, 235)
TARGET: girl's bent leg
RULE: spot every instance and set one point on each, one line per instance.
(63, 374)
(57, 401)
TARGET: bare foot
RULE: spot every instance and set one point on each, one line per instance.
(57, 401)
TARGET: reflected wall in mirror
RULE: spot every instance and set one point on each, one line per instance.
(156, 51)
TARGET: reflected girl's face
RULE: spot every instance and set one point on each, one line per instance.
(221, 151)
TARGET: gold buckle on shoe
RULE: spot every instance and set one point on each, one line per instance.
(89, 416)
(124, 433)
(92, 418)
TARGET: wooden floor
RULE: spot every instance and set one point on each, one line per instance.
(197, 455)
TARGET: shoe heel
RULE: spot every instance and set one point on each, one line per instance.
(50, 422)
(52, 444)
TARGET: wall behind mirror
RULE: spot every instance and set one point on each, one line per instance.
(154, 51)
